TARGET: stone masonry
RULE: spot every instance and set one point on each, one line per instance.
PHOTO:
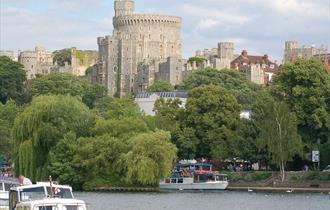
(136, 39)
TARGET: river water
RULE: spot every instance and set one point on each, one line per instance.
(205, 201)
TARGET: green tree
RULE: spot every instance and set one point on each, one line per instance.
(325, 154)
(279, 134)
(196, 59)
(41, 126)
(8, 113)
(233, 81)
(12, 79)
(88, 162)
(62, 56)
(305, 87)
(214, 114)
(160, 86)
(67, 84)
(120, 108)
(150, 159)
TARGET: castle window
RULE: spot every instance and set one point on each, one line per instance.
(149, 36)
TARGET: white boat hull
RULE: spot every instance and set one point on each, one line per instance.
(4, 196)
(194, 186)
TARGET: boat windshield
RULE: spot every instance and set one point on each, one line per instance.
(221, 177)
(29, 194)
(61, 192)
(46, 208)
(54, 207)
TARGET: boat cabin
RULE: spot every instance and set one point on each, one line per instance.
(42, 196)
(205, 176)
(194, 167)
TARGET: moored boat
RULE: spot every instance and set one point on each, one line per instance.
(190, 177)
(44, 196)
(5, 184)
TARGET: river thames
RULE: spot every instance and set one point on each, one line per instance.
(205, 201)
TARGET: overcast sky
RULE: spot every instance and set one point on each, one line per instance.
(259, 26)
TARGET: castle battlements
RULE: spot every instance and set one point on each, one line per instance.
(136, 19)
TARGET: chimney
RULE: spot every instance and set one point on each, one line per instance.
(244, 53)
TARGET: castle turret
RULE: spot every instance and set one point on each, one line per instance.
(124, 7)
(226, 50)
(290, 45)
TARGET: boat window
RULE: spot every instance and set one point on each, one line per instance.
(1, 186)
(46, 208)
(8, 186)
(35, 193)
(61, 192)
(173, 180)
(180, 180)
(71, 207)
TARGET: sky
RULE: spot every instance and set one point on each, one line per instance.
(259, 26)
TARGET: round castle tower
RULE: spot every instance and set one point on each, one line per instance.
(153, 36)
(136, 38)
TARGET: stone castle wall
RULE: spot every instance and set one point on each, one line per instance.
(136, 38)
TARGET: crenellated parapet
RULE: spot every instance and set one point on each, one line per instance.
(145, 19)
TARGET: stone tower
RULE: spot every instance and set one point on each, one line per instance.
(136, 38)
(226, 50)
(124, 7)
(290, 45)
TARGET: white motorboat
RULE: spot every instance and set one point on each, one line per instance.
(5, 184)
(44, 196)
(188, 178)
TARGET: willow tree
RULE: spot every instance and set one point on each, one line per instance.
(39, 128)
(279, 134)
(150, 158)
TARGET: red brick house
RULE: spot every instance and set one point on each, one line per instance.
(259, 69)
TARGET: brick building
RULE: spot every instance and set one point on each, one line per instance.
(259, 69)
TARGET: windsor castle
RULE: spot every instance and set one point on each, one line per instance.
(142, 49)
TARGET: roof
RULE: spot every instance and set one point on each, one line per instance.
(52, 201)
(40, 184)
(9, 180)
(175, 94)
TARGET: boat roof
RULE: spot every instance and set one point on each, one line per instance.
(9, 180)
(195, 164)
(40, 184)
(53, 201)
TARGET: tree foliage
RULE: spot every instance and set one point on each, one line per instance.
(160, 86)
(196, 59)
(233, 81)
(305, 87)
(8, 113)
(12, 79)
(40, 127)
(150, 159)
(279, 134)
(62, 56)
(67, 84)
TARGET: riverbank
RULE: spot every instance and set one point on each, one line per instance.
(296, 182)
